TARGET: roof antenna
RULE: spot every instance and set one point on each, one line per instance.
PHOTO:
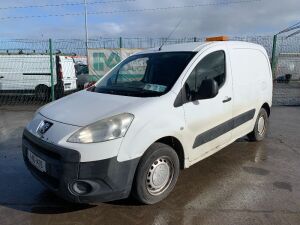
(175, 28)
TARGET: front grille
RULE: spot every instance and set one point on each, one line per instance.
(44, 151)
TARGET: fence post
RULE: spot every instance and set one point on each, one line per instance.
(273, 60)
(51, 70)
(121, 42)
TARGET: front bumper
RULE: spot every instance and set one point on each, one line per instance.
(109, 179)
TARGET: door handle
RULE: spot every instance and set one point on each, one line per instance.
(1, 77)
(227, 99)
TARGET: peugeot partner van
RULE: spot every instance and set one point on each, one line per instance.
(155, 113)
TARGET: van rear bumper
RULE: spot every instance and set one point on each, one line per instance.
(103, 180)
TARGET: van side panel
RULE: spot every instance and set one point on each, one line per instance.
(24, 72)
(252, 84)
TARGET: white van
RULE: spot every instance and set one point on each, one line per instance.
(155, 113)
(31, 74)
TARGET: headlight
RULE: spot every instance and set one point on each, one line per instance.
(103, 130)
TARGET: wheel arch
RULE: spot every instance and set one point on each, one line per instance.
(174, 143)
(41, 86)
(267, 108)
(42, 92)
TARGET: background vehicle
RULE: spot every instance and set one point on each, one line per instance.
(81, 69)
(84, 79)
(30, 74)
(66, 74)
(284, 79)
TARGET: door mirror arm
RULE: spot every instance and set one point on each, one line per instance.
(194, 96)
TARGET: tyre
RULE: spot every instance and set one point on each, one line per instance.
(156, 174)
(42, 92)
(59, 90)
(261, 126)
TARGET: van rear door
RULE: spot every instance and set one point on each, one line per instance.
(251, 80)
(67, 72)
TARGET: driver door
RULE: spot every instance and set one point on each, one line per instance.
(208, 121)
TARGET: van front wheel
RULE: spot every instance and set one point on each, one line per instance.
(156, 174)
(261, 126)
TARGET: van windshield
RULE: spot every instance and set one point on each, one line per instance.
(145, 75)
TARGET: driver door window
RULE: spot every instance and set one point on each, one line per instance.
(211, 66)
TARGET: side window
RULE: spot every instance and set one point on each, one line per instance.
(212, 66)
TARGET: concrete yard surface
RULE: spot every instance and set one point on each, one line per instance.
(245, 183)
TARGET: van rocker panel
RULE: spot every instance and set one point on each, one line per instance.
(223, 128)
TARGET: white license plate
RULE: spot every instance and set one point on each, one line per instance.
(67, 86)
(36, 161)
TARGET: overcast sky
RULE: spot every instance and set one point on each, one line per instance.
(199, 18)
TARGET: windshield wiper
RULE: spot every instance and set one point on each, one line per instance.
(138, 92)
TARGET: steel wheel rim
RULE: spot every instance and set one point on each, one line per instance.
(261, 125)
(160, 175)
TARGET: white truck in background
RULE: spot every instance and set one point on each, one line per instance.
(30, 74)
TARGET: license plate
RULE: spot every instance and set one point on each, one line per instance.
(36, 161)
(68, 85)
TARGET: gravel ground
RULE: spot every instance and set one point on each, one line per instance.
(287, 94)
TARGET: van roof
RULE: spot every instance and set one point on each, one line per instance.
(197, 46)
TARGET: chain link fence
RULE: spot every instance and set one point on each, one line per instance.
(31, 74)
(287, 72)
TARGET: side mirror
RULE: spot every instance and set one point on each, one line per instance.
(208, 89)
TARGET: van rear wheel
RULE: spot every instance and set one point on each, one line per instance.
(261, 126)
(156, 174)
(42, 92)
